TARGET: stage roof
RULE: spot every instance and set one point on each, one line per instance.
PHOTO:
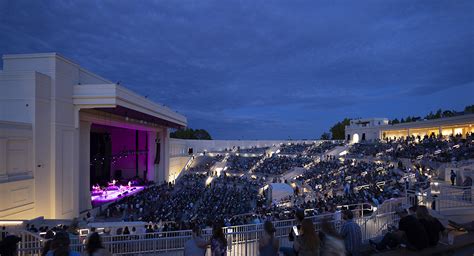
(118, 100)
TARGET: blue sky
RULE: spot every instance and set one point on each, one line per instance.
(255, 69)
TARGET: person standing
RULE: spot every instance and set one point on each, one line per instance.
(351, 233)
(94, 246)
(218, 241)
(453, 177)
(307, 243)
(268, 245)
(290, 251)
(196, 246)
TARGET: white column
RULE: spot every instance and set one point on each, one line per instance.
(163, 167)
(165, 153)
(84, 166)
(152, 167)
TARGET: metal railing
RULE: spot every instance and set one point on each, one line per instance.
(441, 197)
(242, 240)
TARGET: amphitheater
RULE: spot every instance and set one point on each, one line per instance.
(81, 154)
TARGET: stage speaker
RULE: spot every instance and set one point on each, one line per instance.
(118, 174)
(190, 151)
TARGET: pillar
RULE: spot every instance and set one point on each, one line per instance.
(84, 166)
(152, 167)
(163, 167)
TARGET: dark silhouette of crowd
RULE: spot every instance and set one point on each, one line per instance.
(277, 164)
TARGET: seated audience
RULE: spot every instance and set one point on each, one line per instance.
(410, 232)
(433, 227)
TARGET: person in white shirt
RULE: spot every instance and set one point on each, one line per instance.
(196, 246)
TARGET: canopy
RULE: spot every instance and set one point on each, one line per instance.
(280, 191)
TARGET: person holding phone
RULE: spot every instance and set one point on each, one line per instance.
(294, 232)
(307, 242)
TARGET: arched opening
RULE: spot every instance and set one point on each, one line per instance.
(363, 136)
(355, 138)
(348, 137)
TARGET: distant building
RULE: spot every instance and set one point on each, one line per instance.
(371, 129)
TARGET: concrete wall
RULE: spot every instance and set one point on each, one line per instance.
(180, 147)
(176, 166)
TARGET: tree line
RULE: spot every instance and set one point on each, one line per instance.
(191, 134)
(337, 131)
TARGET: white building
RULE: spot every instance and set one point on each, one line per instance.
(372, 129)
(51, 109)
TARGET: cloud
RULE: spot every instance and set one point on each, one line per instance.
(255, 68)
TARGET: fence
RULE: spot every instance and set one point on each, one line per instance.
(441, 197)
(242, 240)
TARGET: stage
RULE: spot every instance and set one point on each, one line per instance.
(112, 193)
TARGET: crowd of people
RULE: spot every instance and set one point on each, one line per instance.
(190, 201)
(277, 164)
(294, 148)
(203, 198)
(433, 148)
(241, 164)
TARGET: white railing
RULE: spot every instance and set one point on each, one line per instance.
(442, 197)
(453, 197)
(242, 240)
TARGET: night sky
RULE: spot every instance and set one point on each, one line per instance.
(263, 69)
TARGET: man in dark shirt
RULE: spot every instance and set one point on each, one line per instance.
(410, 232)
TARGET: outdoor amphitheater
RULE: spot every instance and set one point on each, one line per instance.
(236, 128)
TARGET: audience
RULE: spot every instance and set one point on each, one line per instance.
(94, 246)
(60, 245)
(410, 233)
(8, 245)
(351, 233)
(218, 241)
(331, 242)
(433, 227)
(196, 246)
(268, 245)
(307, 241)
(373, 174)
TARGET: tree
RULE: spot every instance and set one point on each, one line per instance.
(469, 109)
(448, 113)
(338, 130)
(395, 121)
(325, 136)
(190, 134)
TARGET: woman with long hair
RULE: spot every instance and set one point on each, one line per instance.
(218, 241)
(307, 242)
(94, 246)
(331, 242)
(433, 227)
(268, 245)
(60, 245)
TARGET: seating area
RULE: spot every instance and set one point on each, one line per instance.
(372, 189)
